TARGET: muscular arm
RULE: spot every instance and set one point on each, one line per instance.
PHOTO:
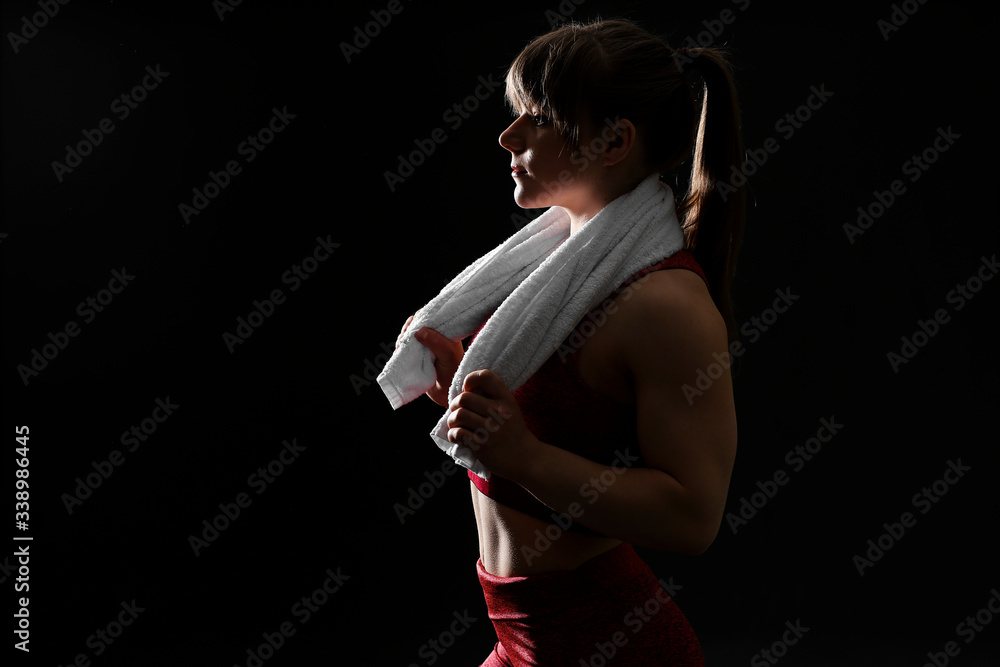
(666, 332)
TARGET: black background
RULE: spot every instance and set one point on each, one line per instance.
(302, 373)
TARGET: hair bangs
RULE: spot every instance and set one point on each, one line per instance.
(545, 77)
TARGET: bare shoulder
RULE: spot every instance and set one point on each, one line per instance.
(677, 298)
(669, 316)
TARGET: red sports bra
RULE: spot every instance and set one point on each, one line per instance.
(561, 410)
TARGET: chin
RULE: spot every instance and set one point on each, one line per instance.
(527, 200)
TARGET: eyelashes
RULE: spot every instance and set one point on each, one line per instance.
(539, 119)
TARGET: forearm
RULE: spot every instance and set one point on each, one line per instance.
(645, 507)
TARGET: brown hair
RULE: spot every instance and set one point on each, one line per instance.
(581, 75)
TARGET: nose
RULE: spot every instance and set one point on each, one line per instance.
(511, 137)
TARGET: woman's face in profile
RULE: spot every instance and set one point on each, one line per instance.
(544, 171)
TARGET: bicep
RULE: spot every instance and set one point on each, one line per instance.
(686, 418)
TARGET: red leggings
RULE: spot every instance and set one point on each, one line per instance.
(612, 610)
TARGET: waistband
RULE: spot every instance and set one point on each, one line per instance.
(607, 574)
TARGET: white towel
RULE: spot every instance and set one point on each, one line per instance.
(541, 282)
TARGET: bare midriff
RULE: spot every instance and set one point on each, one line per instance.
(512, 543)
(509, 540)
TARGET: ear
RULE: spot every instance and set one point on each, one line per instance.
(620, 139)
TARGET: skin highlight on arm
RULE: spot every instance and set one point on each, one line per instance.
(676, 502)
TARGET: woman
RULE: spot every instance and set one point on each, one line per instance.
(605, 433)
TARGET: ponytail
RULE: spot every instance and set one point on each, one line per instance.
(713, 209)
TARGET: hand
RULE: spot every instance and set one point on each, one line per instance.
(447, 353)
(406, 325)
(486, 418)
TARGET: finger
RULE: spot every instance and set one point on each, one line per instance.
(442, 346)
(406, 325)
(409, 321)
(463, 437)
(476, 403)
(477, 412)
(466, 419)
(485, 382)
(430, 335)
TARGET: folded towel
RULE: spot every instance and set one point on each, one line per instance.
(538, 284)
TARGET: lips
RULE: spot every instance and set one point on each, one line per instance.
(517, 171)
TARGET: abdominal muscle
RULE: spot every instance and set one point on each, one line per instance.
(510, 544)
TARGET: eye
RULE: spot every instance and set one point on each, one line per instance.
(540, 119)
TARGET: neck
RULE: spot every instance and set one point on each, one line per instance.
(579, 216)
(578, 220)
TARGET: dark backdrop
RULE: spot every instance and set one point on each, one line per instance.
(113, 517)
